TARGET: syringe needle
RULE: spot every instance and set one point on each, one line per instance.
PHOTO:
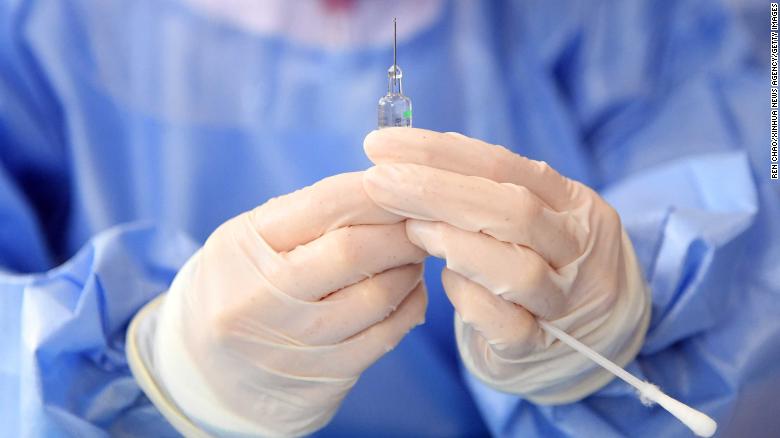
(395, 42)
(394, 108)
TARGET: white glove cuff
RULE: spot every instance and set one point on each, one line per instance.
(559, 374)
(163, 368)
(138, 347)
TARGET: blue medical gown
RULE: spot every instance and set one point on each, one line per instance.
(130, 130)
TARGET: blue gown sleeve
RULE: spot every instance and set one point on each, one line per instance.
(63, 370)
(667, 104)
(64, 335)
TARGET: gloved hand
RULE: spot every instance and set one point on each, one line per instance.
(269, 325)
(520, 242)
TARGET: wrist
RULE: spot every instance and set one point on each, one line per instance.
(166, 371)
(139, 348)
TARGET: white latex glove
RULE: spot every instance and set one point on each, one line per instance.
(520, 242)
(269, 325)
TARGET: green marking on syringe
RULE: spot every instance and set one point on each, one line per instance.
(408, 114)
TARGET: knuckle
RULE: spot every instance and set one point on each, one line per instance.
(544, 167)
(526, 206)
(220, 241)
(534, 291)
(610, 216)
(376, 296)
(615, 217)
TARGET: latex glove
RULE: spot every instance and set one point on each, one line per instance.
(520, 242)
(269, 325)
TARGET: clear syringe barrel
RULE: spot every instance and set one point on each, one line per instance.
(394, 108)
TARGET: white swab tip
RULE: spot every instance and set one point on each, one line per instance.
(703, 425)
(699, 423)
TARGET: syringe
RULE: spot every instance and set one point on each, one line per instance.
(395, 109)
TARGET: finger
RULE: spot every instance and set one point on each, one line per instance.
(353, 309)
(508, 212)
(340, 258)
(460, 154)
(511, 331)
(511, 271)
(368, 346)
(343, 360)
(301, 216)
(341, 315)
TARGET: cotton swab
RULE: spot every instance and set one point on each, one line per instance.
(698, 422)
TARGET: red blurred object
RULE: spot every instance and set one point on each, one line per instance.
(339, 5)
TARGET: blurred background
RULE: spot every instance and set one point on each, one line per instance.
(184, 113)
